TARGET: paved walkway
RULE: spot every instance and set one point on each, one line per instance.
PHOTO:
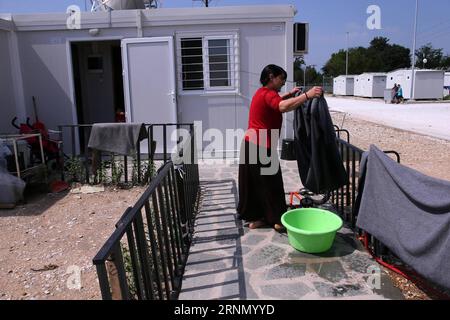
(229, 261)
(430, 119)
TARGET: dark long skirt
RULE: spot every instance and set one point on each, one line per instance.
(261, 197)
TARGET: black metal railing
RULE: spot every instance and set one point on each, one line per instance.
(344, 198)
(136, 169)
(185, 151)
(339, 131)
(162, 129)
(131, 167)
(145, 256)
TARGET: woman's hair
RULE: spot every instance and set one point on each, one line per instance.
(273, 70)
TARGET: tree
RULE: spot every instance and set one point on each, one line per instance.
(336, 64)
(434, 57)
(358, 62)
(313, 77)
(384, 57)
(445, 63)
(399, 58)
(380, 44)
(380, 56)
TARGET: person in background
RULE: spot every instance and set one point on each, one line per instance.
(262, 199)
(399, 96)
(394, 93)
(120, 115)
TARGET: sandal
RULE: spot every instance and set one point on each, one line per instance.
(257, 224)
(279, 227)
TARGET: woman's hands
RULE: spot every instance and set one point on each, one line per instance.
(291, 94)
(294, 91)
(289, 104)
(315, 92)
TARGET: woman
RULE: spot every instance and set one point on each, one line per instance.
(399, 95)
(261, 196)
(394, 91)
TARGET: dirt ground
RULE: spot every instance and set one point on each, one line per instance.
(428, 155)
(44, 243)
(47, 243)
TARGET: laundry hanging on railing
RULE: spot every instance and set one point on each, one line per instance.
(319, 162)
(408, 212)
(119, 138)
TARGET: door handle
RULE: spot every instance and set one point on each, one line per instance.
(172, 94)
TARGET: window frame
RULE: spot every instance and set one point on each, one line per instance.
(233, 62)
(180, 74)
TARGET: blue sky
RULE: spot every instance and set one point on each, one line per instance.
(329, 20)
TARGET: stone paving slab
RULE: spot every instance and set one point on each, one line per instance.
(229, 261)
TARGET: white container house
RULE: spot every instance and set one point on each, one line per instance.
(344, 85)
(428, 83)
(447, 84)
(370, 85)
(166, 65)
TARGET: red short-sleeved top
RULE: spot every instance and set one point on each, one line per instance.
(264, 114)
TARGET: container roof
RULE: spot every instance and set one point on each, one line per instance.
(156, 17)
(375, 74)
(416, 70)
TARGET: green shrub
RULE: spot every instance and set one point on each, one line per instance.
(76, 170)
(128, 266)
(146, 172)
(100, 175)
(117, 170)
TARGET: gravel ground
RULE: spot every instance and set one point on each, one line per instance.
(46, 243)
(428, 155)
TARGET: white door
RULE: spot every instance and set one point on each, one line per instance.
(149, 81)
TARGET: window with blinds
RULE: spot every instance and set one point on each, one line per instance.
(208, 63)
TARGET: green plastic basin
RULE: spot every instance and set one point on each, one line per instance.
(311, 230)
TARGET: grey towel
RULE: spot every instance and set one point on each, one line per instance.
(119, 138)
(408, 212)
